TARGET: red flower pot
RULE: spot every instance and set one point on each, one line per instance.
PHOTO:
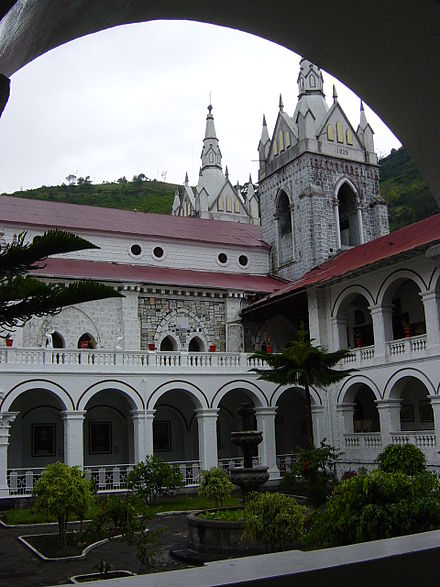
(408, 332)
(85, 344)
(9, 341)
(212, 348)
(268, 348)
(151, 346)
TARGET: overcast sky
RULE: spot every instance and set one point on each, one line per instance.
(133, 100)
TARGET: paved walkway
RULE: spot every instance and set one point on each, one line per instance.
(19, 567)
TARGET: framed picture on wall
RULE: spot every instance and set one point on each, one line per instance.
(100, 438)
(425, 411)
(43, 440)
(162, 436)
(407, 413)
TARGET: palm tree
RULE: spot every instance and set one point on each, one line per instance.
(23, 296)
(301, 363)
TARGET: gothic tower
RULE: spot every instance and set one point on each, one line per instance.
(319, 181)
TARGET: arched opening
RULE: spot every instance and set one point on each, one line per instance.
(229, 421)
(290, 422)
(349, 222)
(86, 341)
(37, 433)
(196, 345)
(355, 324)
(108, 429)
(58, 341)
(365, 414)
(285, 236)
(168, 344)
(175, 428)
(407, 316)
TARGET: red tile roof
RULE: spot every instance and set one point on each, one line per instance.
(409, 238)
(41, 214)
(119, 272)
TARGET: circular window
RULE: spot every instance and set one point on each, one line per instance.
(243, 260)
(158, 252)
(222, 258)
(136, 250)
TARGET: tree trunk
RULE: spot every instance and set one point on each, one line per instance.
(309, 420)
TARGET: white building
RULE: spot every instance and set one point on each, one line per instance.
(104, 384)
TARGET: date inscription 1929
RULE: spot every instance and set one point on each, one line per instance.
(341, 151)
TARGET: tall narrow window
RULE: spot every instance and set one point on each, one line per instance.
(350, 231)
(330, 133)
(285, 243)
(220, 205)
(281, 140)
(228, 203)
(349, 136)
(339, 132)
(236, 206)
(287, 139)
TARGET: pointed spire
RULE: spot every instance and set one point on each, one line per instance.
(226, 172)
(186, 178)
(250, 179)
(264, 120)
(211, 155)
(310, 80)
(335, 94)
(363, 121)
(176, 203)
(281, 104)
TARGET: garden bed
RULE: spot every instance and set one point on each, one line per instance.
(88, 577)
(48, 547)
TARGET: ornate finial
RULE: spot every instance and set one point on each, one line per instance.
(264, 120)
(250, 178)
(335, 94)
(362, 105)
(186, 178)
(226, 172)
(210, 108)
(281, 103)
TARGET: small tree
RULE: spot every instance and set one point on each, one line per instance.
(304, 364)
(60, 491)
(273, 519)
(406, 458)
(153, 476)
(215, 485)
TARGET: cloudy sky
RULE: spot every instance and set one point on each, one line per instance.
(133, 100)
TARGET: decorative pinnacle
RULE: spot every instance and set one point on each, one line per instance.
(186, 177)
(226, 172)
(335, 94)
(281, 103)
(264, 120)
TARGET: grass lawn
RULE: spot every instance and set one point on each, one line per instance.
(163, 504)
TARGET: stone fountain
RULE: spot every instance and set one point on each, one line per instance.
(248, 478)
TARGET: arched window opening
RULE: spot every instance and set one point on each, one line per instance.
(168, 344)
(57, 341)
(408, 315)
(339, 132)
(349, 229)
(287, 141)
(228, 203)
(86, 341)
(196, 345)
(416, 411)
(236, 206)
(220, 204)
(365, 415)
(312, 81)
(349, 136)
(281, 140)
(284, 228)
(330, 133)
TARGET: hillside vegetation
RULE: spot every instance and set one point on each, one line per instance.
(404, 190)
(402, 187)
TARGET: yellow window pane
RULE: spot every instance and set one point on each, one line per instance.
(339, 132)
(330, 133)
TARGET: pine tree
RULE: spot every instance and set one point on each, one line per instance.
(23, 296)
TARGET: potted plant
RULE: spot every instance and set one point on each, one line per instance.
(9, 340)
(406, 328)
(267, 344)
(358, 338)
(151, 346)
(212, 348)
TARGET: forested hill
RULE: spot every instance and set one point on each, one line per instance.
(402, 187)
(404, 190)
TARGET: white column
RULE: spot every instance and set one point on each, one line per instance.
(207, 426)
(313, 310)
(382, 328)
(73, 438)
(389, 417)
(139, 435)
(267, 450)
(149, 417)
(345, 413)
(360, 225)
(435, 403)
(318, 422)
(431, 302)
(6, 419)
(339, 328)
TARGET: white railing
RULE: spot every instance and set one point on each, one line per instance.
(363, 440)
(284, 463)
(231, 462)
(402, 346)
(359, 356)
(97, 359)
(22, 481)
(106, 478)
(422, 439)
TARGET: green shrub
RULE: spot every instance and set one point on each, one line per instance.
(60, 491)
(273, 519)
(153, 477)
(235, 515)
(406, 458)
(315, 467)
(377, 505)
(215, 485)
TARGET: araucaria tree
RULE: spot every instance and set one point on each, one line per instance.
(23, 296)
(303, 364)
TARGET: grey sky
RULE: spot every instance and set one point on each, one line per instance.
(133, 100)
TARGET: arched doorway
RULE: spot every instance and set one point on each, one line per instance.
(86, 341)
(350, 225)
(408, 314)
(168, 344)
(285, 231)
(354, 322)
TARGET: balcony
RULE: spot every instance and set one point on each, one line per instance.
(395, 350)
